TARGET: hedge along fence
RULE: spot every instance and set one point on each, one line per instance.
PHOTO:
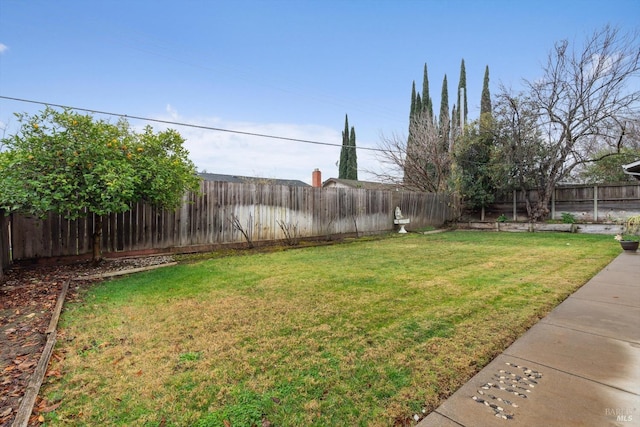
(222, 211)
(597, 203)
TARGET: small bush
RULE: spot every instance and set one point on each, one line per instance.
(568, 218)
(502, 218)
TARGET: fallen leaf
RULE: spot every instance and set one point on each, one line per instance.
(54, 373)
(5, 412)
(27, 364)
(51, 408)
(41, 418)
(139, 373)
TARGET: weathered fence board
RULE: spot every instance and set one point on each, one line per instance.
(601, 202)
(207, 218)
(5, 256)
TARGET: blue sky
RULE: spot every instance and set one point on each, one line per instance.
(290, 68)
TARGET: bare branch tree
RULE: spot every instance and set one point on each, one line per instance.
(423, 163)
(585, 97)
(585, 100)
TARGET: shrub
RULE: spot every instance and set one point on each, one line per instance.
(568, 218)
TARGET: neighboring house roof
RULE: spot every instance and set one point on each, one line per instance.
(252, 180)
(632, 169)
(367, 185)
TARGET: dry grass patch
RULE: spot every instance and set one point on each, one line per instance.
(365, 333)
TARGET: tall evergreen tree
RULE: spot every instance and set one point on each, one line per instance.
(412, 119)
(348, 168)
(463, 109)
(344, 152)
(444, 121)
(455, 122)
(444, 102)
(352, 167)
(412, 112)
(485, 100)
(427, 103)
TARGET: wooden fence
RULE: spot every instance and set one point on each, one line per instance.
(588, 203)
(5, 255)
(216, 215)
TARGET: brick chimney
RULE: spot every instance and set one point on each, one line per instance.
(316, 178)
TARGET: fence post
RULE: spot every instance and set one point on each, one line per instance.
(553, 203)
(515, 208)
(595, 203)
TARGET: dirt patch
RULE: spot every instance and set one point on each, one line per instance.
(27, 298)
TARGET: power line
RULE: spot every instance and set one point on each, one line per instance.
(169, 122)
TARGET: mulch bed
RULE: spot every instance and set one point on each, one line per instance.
(27, 298)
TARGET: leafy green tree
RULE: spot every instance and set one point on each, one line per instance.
(75, 165)
(609, 167)
(474, 173)
(523, 160)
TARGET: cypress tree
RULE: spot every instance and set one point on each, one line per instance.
(348, 168)
(419, 105)
(427, 104)
(412, 117)
(344, 152)
(352, 169)
(462, 84)
(444, 103)
(485, 100)
(412, 112)
(455, 119)
(444, 113)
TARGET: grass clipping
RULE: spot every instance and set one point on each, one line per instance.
(365, 333)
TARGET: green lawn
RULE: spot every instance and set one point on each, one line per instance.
(364, 333)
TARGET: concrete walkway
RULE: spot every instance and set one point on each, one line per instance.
(579, 366)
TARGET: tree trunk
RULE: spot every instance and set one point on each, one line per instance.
(540, 209)
(97, 240)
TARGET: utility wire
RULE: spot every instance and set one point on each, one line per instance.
(169, 122)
